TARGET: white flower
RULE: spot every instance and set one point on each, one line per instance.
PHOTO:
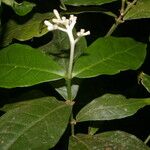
(72, 21)
(65, 25)
(56, 14)
(49, 25)
(83, 33)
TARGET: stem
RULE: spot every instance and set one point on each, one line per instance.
(72, 125)
(130, 5)
(119, 20)
(113, 27)
(69, 72)
(69, 76)
(122, 6)
(72, 47)
(147, 139)
(69, 92)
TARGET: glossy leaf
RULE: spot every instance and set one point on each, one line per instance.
(20, 8)
(21, 65)
(109, 107)
(114, 140)
(38, 124)
(110, 56)
(22, 32)
(145, 80)
(86, 2)
(140, 10)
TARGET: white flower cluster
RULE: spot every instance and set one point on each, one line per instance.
(65, 25)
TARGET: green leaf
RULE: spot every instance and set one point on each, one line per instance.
(20, 8)
(23, 8)
(138, 11)
(22, 32)
(109, 107)
(114, 140)
(145, 80)
(21, 65)
(38, 124)
(110, 56)
(86, 2)
(61, 88)
(63, 91)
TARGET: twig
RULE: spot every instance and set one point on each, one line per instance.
(123, 12)
(147, 139)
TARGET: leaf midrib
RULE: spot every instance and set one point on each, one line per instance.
(32, 68)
